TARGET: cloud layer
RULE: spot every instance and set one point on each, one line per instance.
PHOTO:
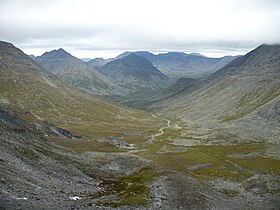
(93, 27)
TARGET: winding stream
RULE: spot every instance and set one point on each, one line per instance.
(161, 131)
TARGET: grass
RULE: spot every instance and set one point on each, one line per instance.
(250, 101)
(219, 163)
(228, 118)
(95, 119)
(80, 113)
(131, 190)
(180, 161)
(229, 193)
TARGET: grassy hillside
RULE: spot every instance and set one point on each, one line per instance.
(25, 89)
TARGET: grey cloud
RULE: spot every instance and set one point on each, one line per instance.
(30, 32)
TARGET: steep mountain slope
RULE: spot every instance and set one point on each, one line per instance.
(79, 74)
(135, 70)
(24, 86)
(244, 90)
(180, 87)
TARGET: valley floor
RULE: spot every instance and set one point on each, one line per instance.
(172, 168)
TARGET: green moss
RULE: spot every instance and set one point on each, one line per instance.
(217, 157)
(131, 190)
(260, 164)
(218, 167)
(228, 118)
(229, 193)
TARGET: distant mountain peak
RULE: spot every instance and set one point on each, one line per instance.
(197, 54)
(32, 56)
(56, 54)
(132, 55)
(134, 70)
(136, 60)
(175, 53)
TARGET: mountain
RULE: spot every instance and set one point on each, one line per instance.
(86, 59)
(75, 72)
(32, 56)
(25, 85)
(176, 64)
(179, 64)
(180, 87)
(136, 71)
(58, 143)
(228, 124)
(222, 63)
(61, 148)
(97, 62)
(246, 92)
(197, 54)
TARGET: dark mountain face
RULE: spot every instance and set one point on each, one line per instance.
(79, 74)
(136, 70)
(56, 54)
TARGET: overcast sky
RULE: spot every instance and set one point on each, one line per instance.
(96, 28)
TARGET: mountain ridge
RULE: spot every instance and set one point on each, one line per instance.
(135, 70)
(79, 74)
(55, 54)
(177, 64)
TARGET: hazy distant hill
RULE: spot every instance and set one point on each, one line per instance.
(135, 70)
(179, 64)
(180, 87)
(79, 74)
(97, 62)
(86, 59)
(176, 64)
(32, 56)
